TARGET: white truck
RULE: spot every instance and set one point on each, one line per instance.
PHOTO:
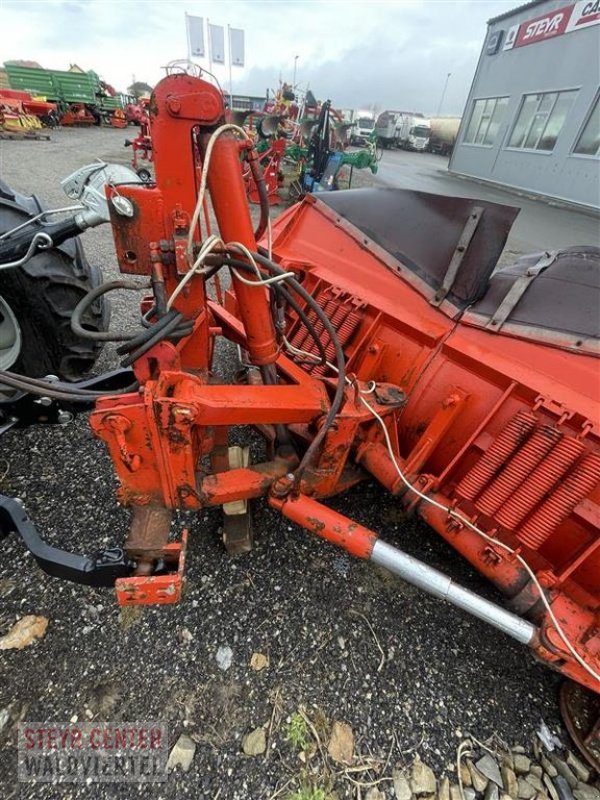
(413, 132)
(363, 125)
(386, 127)
(405, 129)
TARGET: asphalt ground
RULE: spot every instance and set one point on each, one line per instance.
(538, 226)
(345, 641)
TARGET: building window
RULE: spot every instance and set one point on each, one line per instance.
(588, 143)
(540, 120)
(486, 118)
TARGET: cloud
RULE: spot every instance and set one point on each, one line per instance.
(387, 54)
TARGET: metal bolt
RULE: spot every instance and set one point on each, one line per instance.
(64, 417)
(182, 414)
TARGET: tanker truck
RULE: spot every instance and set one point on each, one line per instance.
(443, 133)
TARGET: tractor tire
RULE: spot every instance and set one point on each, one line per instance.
(38, 298)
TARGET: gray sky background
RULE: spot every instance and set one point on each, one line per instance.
(387, 54)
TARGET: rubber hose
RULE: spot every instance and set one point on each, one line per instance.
(86, 302)
(263, 197)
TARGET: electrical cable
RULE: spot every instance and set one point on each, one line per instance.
(495, 542)
(197, 268)
(278, 288)
(322, 359)
(167, 330)
(338, 397)
(260, 280)
(86, 302)
(308, 357)
(463, 520)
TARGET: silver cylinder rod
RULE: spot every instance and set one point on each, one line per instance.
(436, 583)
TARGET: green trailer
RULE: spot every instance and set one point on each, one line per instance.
(62, 86)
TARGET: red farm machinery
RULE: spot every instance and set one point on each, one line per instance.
(378, 342)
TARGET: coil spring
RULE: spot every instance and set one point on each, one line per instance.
(302, 340)
(555, 510)
(497, 454)
(556, 464)
(345, 317)
(345, 322)
(527, 458)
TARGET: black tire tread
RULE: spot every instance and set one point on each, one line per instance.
(43, 294)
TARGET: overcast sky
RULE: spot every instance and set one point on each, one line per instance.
(390, 54)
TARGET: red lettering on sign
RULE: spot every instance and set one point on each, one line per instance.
(545, 27)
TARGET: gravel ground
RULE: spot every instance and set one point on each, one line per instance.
(346, 642)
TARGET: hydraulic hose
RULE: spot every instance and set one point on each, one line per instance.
(168, 329)
(338, 397)
(86, 302)
(279, 288)
(150, 330)
(263, 195)
(47, 389)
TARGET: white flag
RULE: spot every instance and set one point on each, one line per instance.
(216, 36)
(236, 44)
(195, 26)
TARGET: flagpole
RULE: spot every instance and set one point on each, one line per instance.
(230, 81)
(187, 36)
(209, 45)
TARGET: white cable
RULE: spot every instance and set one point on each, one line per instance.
(212, 243)
(260, 280)
(265, 281)
(295, 351)
(197, 267)
(485, 536)
(207, 156)
(456, 515)
(245, 252)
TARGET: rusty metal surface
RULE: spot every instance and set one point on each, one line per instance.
(163, 589)
(422, 231)
(580, 709)
(150, 526)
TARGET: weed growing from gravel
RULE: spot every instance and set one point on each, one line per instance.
(307, 792)
(298, 736)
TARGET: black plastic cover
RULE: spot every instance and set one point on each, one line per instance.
(565, 297)
(422, 231)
